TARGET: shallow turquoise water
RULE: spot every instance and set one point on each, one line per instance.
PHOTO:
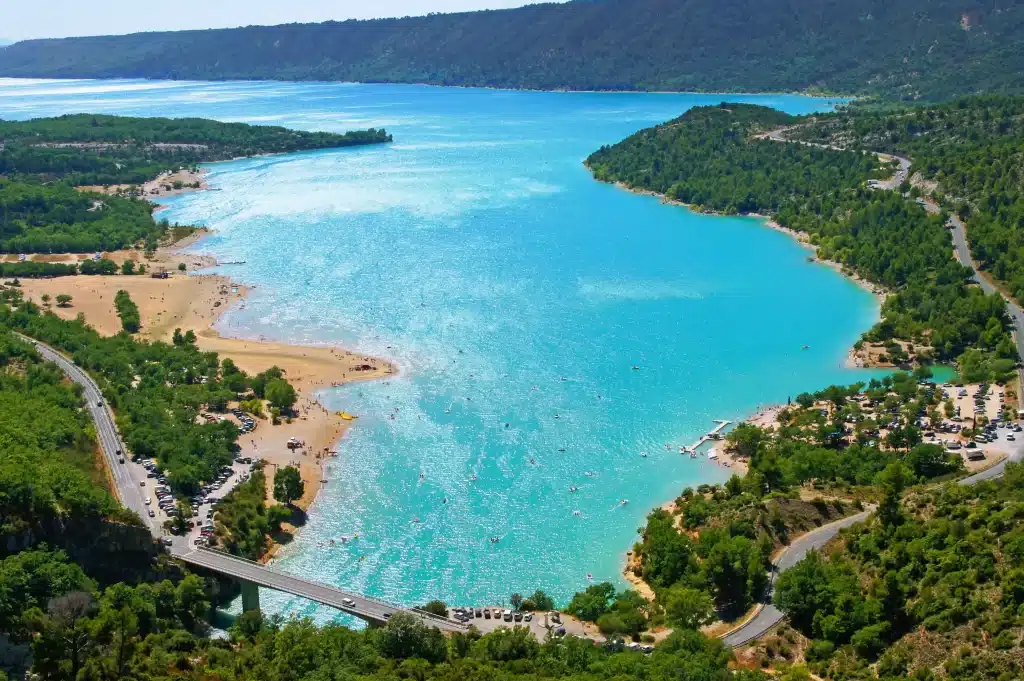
(517, 294)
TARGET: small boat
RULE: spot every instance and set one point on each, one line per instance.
(805, 347)
(346, 416)
(636, 368)
(643, 455)
(623, 502)
(495, 540)
(574, 489)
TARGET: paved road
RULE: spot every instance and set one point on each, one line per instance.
(127, 487)
(769, 615)
(132, 495)
(365, 608)
(963, 254)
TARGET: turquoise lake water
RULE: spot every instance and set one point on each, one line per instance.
(516, 293)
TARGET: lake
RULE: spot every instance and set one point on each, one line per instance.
(517, 295)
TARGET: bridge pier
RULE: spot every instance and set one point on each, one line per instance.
(250, 596)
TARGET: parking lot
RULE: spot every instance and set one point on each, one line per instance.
(161, 504)
(539, 623)
(980, 407)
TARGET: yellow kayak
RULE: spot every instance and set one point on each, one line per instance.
(345, 415)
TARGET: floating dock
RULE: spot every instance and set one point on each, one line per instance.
(713, 434)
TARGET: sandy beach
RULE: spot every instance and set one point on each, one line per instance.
(166, 184)
(196, 302)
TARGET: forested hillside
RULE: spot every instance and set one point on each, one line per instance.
(930, 588)
(713, 157)
(43, 160)
(93, 149)
(905, 49)
(973, 149)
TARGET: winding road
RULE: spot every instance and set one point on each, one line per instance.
(768, 616)
(129, 491)
(127, 488)
(760, 624)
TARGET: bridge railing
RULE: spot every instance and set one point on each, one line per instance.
(416, 611)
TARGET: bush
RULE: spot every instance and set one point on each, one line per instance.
(820, 651)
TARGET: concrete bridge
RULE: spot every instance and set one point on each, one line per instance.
(252, 575)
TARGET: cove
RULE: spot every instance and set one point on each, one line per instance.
(517, 294)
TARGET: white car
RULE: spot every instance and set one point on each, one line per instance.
(149, 501)
(348, 602)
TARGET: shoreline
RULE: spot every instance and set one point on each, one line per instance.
(879, 292)
(198, 302)
(855, 358)
(764, 416)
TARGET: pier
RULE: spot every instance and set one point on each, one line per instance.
(713, 434)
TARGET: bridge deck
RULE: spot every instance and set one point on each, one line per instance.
(365, 608)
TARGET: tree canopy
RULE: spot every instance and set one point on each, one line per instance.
(908, 49)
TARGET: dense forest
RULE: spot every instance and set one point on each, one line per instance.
(716, 158)
(56, 218)
(156, 389)
(973, 148)
(907, 49)
(42, 160)
(930, 587)
(941, 561)
(86, 594)
(93, 149)
(718, 539)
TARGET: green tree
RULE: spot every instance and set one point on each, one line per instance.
(439, 608)
(128, 267)
(687, 607)
(590, 604)
(280, 394)
(63, 300)
(288, 485)
(405, 636)
(893, 481)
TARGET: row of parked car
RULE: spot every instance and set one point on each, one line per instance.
(167, 502)
(248, 422)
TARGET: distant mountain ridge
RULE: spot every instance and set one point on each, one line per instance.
(901, 48)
